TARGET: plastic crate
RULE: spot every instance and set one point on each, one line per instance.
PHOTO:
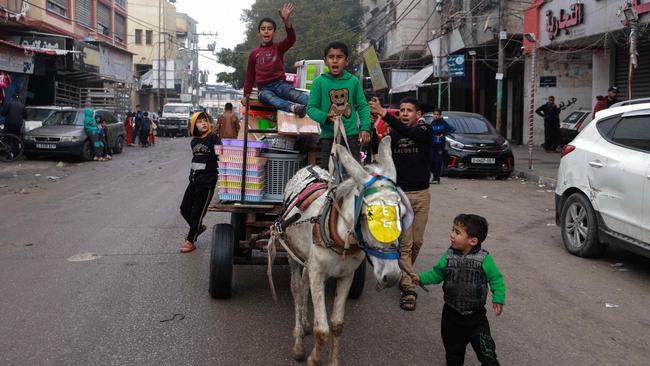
(237, 178)
(250, 172)
(250, 160)
(249, 192)
(279, 169)
(237, 184)
(237, 197)
(240, 143)
(239, 151)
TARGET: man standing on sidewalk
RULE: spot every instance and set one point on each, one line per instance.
(15, 114)
(606, 102)
(551, 114)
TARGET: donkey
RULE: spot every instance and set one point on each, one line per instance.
(372, 188)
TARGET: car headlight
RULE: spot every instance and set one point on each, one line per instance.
(30, 138)
(455, 144)
(505, 143)
(69, 139)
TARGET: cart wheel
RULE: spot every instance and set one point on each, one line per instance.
(238, 222)
(358, 281)
(221, 261)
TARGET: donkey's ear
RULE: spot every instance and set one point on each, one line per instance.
(385, 159)
(352, 167)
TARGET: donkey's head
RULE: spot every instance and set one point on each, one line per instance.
(381, 211)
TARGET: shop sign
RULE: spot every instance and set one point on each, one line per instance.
(456, 65)
(374, 69)
(86, 58)
(547, 81)
(16, 60)
(566, 20)
(115, 64)
(46, 43)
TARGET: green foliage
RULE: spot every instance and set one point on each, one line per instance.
(317, 23)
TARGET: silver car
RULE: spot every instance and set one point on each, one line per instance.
(63, 133)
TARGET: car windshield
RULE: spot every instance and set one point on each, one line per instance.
(38, 114)
(471, 125)
(176, 109)
(574, 117)
(65, 118)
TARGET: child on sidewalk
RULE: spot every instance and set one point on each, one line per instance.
(466, 270)
(203, 178)
(338, 93)
(266, 67)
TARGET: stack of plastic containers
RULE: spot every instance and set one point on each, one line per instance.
(231, 167)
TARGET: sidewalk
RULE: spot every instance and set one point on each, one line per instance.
(544, 165)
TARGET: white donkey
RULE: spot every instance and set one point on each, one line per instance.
(374, 222)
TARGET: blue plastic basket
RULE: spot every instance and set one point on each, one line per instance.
(249, 173)
(237, 197)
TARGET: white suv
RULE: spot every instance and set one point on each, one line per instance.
(603, 184)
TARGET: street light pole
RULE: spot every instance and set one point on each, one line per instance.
(531, 111)
(633, 60)
(472, 53)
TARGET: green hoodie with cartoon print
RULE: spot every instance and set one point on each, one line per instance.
(342, 95)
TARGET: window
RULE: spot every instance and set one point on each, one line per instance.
(58, 6)
(120, 29)
(138, 36)
(606, 126)
(149, 37)
(83, 13)
(634, 132)
(121, 3)
(470, 125)
(103, 19)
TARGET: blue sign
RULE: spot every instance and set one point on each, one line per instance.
(456, 65)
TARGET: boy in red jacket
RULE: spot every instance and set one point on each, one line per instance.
(266, 67)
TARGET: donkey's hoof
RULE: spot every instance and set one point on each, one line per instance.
(298, 352)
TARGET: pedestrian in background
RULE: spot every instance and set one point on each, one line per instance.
(15, 115)
(143, 130)
(128, 126)
(90, 126)
(551, 114)
(607, 101)
(102, 132)
(137, 122)
(227, 126)
(440, 129)
(466, 270)
(152, 132)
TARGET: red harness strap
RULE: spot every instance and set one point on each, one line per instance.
(308, 195)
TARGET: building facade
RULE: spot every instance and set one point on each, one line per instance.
(186, 74)
(583, 48)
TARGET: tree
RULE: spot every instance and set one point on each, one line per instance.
(316, 25)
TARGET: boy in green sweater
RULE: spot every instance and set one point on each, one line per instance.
(466, 270)
(339, 93)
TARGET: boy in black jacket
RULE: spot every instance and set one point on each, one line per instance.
(411, 145)
(203, 178)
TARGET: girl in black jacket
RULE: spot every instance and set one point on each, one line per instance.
(203, 178)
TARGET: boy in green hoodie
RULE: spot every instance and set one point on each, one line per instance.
(466, 270)
(338, 93)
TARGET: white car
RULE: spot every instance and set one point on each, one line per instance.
(37, 114)
(603, 184)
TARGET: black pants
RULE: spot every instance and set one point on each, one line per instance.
(326, 149)
(194, 206)
(437, 158)
(551, 135)
(458, 330)
(143, 135)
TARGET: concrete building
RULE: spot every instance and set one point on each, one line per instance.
(186, 74)
(215, 96)
(583, 48)
(70, 52)
(153, 42)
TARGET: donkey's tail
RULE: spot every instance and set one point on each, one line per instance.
(270, 255)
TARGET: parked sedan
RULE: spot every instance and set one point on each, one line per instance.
(63, 133)
(574, 123)
(476, 148)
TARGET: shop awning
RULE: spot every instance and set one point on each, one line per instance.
(412, 83)
(46, 51)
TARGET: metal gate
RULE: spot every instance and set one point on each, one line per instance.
(116, 97)
(641, 75)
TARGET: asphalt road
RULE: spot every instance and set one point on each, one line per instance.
(137, 301)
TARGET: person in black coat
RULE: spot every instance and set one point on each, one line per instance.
(15, 115)
(551, 114)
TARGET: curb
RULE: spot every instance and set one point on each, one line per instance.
(540, 179)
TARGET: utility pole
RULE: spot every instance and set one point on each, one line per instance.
(159, 64)
(473, 54)
(439, 10)
(633, 60)
(502, 37)
(530, 37)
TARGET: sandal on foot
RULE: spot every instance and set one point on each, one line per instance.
(408, 300)
(187, 247)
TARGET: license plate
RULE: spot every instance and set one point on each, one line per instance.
(568, 126)
(46, 146)
(483, 160)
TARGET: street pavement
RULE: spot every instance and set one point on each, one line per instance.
(132, 299)
(544, 165)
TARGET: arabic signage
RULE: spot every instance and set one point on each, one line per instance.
(16, 60)
(87, 58)
(564, 21)
(547, 81)
(456, 65)
(374, 69)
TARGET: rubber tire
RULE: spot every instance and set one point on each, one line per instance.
(221, 261)
(86, 151)
(358, 281)
(592, 246)
(238, 222)
(119, 146)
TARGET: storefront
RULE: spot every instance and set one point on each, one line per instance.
(583, 48)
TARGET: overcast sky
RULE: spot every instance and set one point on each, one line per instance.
(222, 17)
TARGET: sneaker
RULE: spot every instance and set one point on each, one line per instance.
(299, 110)
(435, 181)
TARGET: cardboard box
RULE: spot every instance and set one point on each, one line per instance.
(290, 124)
